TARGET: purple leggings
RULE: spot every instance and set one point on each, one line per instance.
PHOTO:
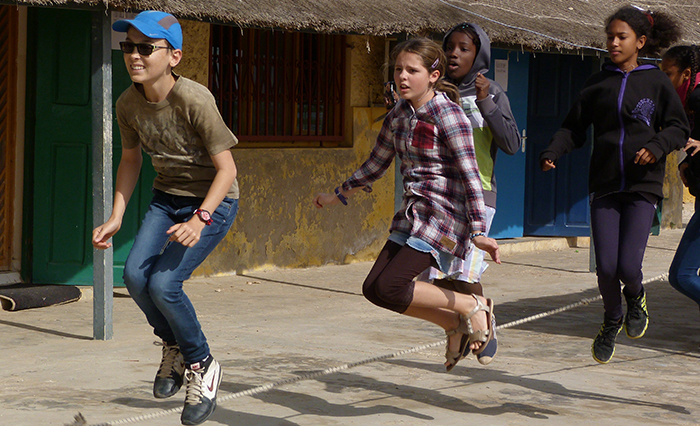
(390, 282)
(620, 226)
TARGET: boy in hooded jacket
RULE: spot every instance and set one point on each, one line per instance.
(486, 104)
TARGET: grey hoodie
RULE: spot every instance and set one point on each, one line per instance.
(491, 118)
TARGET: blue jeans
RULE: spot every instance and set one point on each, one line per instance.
(683, 274)
(155, 269)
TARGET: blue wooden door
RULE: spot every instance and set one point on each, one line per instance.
(556, 201)
(510, 169)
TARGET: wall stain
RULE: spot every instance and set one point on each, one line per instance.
(277, 225)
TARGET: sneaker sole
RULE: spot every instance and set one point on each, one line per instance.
(646, 326)
(166, 395)
(637, 337)
(487, 356)
(611, 355)
(600, 361)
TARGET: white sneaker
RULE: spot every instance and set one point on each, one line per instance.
(202, 386)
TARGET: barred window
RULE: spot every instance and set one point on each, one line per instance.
(277, 88)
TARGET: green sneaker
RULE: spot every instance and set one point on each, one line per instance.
(637, 317)
(603, 347)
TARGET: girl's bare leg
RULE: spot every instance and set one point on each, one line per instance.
(443, 307)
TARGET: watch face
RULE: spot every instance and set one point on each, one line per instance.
(205, 215)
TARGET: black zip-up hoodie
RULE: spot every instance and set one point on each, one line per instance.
(629, 111)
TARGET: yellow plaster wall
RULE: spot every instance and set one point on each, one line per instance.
(277, 224)
(687, 197)
(367, 72)
(195, 60)
(672, 208)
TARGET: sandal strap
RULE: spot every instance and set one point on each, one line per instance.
(452, 332)
(461, 328)
(479, 307)
(479, 336)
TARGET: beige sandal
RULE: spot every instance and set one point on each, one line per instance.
(454, 357)
(483, 336)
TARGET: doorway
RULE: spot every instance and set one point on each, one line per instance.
(556, 201)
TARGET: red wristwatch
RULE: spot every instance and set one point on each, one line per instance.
(205, 216)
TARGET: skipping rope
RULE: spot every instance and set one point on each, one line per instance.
(79, 420)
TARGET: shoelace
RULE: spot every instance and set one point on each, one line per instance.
(609, 332)
(195, 381)
(167, 365)
(638, 308)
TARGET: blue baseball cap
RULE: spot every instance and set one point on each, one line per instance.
(154, 24)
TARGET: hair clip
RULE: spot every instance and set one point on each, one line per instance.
(650, 18)
(435, 64)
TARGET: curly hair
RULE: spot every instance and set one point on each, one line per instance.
(660, 29)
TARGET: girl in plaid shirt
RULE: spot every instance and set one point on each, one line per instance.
(443, 209)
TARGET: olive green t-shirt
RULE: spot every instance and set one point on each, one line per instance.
(180, 134)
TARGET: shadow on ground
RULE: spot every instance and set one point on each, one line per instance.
(674, 319)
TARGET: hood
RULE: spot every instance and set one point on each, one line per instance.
(483, 58)
(610, 66)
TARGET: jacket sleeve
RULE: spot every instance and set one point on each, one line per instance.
(499, 117)
(671, 122)
(572, 133)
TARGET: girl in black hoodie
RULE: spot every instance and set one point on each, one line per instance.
(638, 119)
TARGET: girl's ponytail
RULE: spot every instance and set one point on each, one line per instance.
(664, 32)
(450, 89)
(660, 29)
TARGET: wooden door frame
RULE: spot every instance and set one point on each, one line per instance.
(8, 61)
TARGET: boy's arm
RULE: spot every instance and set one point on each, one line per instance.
(127, 177)
(499, 117)
(188, 233)
(226, 173)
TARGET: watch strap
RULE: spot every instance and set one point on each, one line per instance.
(205, 216)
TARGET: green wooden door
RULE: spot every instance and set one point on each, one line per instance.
(59, 144)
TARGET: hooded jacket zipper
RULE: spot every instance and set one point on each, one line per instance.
(620, 97)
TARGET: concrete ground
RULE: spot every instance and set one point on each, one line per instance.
(303, 347)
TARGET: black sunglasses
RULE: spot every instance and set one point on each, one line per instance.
(144, 49)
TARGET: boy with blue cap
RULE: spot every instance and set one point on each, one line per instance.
(176, 121)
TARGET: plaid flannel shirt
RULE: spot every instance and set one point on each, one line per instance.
(442, 200)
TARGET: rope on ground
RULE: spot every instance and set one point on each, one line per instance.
(581, 302)
(309, 376)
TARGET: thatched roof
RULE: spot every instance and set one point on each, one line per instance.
(530, 24)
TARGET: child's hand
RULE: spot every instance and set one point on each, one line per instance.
(644, 157)
(692, 147)
(489, 245)
(482, 86)
(322, 200)
(547, 164)
(102, 234)
(187, 233)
